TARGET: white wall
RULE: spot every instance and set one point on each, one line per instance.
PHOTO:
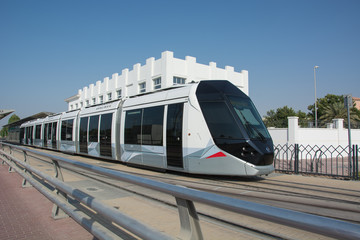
(314, 136)
(279, 135)
(166, 67)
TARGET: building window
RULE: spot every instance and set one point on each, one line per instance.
(109, 96)
(71, 107)
(101, 99)
(157, 83)
(118, 94)
(94, 101)
(87, 103)
(178, 80)
(81, 104)
(142, 87)
(76, 106)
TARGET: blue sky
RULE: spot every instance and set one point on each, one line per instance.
(50, 49)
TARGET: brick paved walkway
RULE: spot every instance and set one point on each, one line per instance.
(26, 214)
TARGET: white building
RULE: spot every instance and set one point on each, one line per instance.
(155, 74)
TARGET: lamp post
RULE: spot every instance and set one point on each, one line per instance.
(315, 67)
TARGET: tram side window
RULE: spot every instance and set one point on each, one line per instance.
(26, 134)
(38, 132)
(94, 128)
(29, 132)
(83, 129)
(152, 126)
(67, 129)
(145, 126)
(133, 127)
(63, 130)
(54, 130)
(45, 131)
(49, 131)
(105, 126)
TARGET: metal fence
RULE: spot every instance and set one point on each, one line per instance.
(320, 160)
(185, 198)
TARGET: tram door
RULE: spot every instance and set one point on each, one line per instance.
(53, 135)
(174, 135)
(45, 134)
(47, 138)
(105, 135)
(83, 134)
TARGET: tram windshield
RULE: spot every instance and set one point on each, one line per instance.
(229, 113)
(249, 117)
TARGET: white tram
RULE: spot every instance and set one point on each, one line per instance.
(209, 127)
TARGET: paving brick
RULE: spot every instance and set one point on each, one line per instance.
(26, 213)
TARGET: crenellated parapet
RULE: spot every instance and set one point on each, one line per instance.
(155, 74)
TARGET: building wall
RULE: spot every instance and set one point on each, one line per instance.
(357, 102)
(166, 68)
(334, 135)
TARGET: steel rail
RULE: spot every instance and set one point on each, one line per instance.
(308, 222)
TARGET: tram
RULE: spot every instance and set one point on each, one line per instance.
(210, 127)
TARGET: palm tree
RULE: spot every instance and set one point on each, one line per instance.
(337, 110)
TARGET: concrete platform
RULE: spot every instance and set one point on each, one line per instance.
(26, 214)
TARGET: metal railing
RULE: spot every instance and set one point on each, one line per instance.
(320, 160)
(185, 198)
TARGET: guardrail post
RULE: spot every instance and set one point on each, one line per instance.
(11, 170)
(58, 213)
(2, 159)
(189, 220)
(24, 182)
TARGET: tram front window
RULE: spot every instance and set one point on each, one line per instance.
(249, 118)
(220, 121)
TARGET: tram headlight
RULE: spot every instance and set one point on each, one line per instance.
(248, 152)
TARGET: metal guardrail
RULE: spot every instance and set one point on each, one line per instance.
(331, 161)
(190, 227)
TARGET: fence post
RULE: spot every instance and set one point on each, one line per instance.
(355, 157)
(2, 159)
(58, 213)
(24, 182)
(296, 164)
(11, 170)
(189, 220)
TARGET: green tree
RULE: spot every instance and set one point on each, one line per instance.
(338, 110)
(13, 118)
(330, 107)
(5, 131)
(321, 103)
(279, 118)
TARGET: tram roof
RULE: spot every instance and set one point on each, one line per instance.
(30, 118)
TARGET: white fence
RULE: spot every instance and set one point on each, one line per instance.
(334, 135)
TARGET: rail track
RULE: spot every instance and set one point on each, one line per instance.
(333, 202)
